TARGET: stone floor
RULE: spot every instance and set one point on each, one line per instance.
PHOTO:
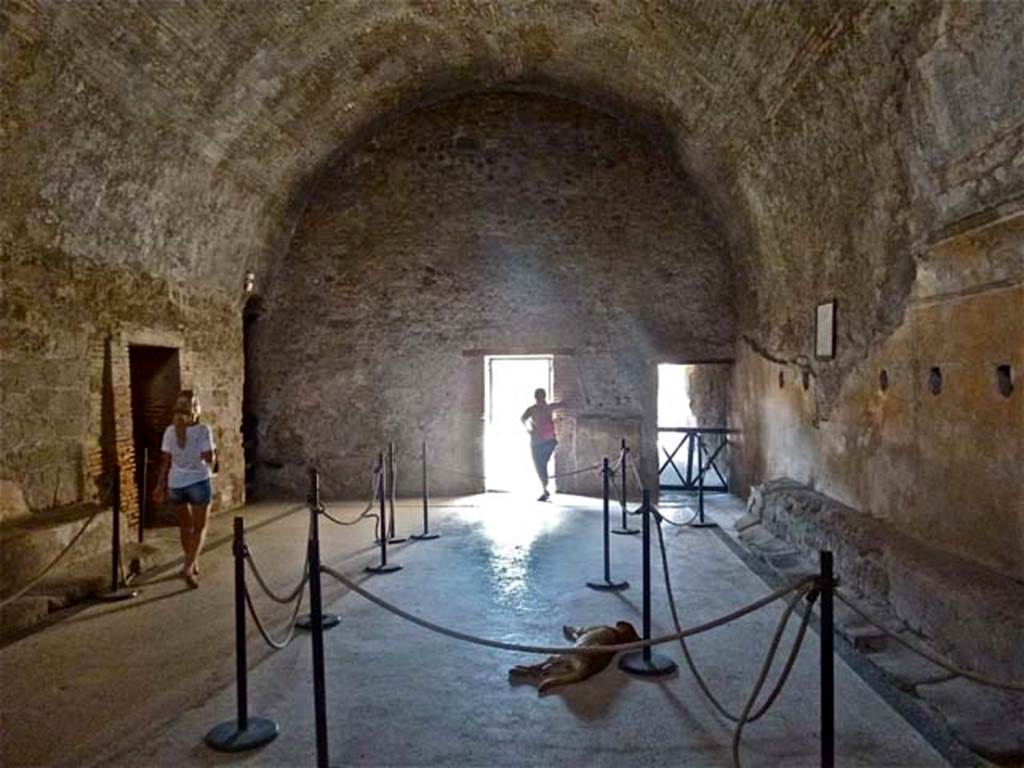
(139, 683)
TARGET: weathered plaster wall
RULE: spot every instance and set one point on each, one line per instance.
(945, 468)
(506, 223)
(65, 405)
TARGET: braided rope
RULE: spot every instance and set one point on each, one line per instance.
(769, 659)
(582, 470)
(661, 516)
(275, 644)
(462, 472)
(932, 657)
(60, 556)
(571, 650)
(365, 513)
(745, 717)
(285, 599)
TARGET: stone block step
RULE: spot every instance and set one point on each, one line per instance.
(28, 545)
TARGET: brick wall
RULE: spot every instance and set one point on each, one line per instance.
(66, 406)
(509, 223)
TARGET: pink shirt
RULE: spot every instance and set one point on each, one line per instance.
(542, 425)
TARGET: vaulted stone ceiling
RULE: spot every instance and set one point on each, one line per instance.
(181, 138)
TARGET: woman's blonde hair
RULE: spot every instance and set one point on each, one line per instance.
(186, 412)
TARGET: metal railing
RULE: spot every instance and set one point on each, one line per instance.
(702, 468)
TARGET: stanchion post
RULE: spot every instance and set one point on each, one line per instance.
(645, 662)
(624, 530)
(827, 587)
(328, 620)
(700, 477)
(317, 617)
(144, 496)
(701, 522)
(117, 592)
(426, 535)
(244, 732)
(606, 584)
(382, 566)
(391, 496)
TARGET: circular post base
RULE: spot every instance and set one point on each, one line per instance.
(705, 524)
(601, 585)
(625, 531)
(117, 595)
(328, 620)
(425, 536)
(389, 568)
(656, 666)
(226, 737)
(396, 539)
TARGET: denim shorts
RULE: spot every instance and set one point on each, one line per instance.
(197, 493)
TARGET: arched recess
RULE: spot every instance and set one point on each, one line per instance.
(500, 222)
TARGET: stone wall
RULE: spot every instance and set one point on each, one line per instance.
(708, 385)
(940, 595)
(504, 223)
(66, 405)
(866, 427)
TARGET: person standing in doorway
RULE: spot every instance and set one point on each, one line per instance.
(185, 478)
(539, 419)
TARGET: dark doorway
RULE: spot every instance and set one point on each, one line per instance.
(250, 422)
(155, 381)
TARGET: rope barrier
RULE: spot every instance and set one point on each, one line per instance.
(275, 644)
(766, 666)
(933, 658)
(636, 476)
(661, 516)
(445, 467)
(285, 600)
(770, 656)
(570, 650)
(592, 468)
(60, 556)
(364, 515)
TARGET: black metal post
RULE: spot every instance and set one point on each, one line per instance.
(827, 586)
(144, 500)
(117, 592)
(382, 566)
(317, 616)
(606, 584)
(426, 504)
(701, 522)
(391, 496)
(689, 461)
(645, 662)
(244, 732)
(700, 478)
(328, 620)
(624, 530)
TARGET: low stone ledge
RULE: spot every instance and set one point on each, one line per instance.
(971, 613)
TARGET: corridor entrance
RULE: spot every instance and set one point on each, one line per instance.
(509, 386)
(155, 376)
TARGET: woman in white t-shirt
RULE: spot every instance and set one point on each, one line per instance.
(188, 453)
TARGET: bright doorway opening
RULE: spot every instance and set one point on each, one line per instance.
(508, 391)
(673, 412)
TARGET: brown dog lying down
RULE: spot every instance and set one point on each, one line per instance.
(571, 668)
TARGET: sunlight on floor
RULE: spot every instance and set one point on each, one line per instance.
(511, 527)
